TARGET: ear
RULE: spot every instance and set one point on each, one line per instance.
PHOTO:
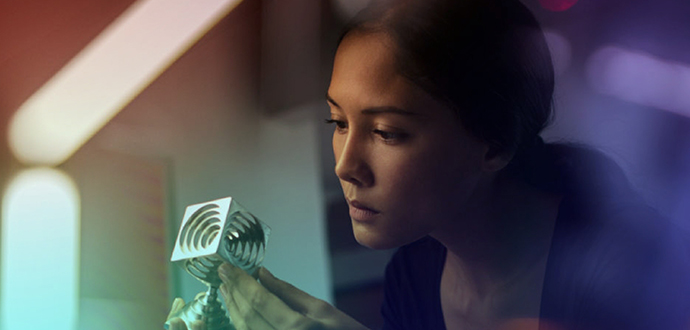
(495, 159)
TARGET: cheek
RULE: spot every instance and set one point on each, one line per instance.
(419, 199)
(435, 183)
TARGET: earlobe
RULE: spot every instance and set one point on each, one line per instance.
(494, 159)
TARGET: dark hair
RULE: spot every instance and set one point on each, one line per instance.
(486, 59)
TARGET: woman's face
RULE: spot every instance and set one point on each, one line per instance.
(406, 166)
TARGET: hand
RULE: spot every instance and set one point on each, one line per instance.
(177, 323)
(275, 304)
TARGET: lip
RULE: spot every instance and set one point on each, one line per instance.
(360, 212)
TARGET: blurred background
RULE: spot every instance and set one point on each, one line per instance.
(236, 109)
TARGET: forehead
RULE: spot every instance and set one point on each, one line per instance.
(368, 54)
(364, 71)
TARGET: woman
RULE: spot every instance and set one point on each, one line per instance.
(437, 107)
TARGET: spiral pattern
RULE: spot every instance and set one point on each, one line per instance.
(198, 233)
(201, 228)
(245, 241)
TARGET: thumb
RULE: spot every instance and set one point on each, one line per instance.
(177, 304)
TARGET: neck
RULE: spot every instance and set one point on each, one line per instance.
(506, 230)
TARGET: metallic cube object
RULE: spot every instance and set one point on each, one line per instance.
(212, 233)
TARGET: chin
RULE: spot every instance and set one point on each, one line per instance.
(375, 244)
(377, 241)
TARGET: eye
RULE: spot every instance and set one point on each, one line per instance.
(340, 125)
(390, 137)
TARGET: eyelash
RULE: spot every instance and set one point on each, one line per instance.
(386, 136)
(339, 124)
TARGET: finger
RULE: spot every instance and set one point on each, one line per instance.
(177, 304)
(241, 312)
(250, 295)
(177, 324)
(198, 325)
(235, 316)
(295, 298)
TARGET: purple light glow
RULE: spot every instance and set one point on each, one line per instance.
(640, 78)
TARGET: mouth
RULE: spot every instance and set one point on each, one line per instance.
(360, 212)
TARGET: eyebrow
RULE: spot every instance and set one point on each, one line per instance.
(377, 110)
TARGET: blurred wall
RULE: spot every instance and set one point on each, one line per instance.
(203, 115)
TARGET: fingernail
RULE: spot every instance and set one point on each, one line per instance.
(267, 272)
(262, 273)
(223, 276)
(227, 269)
(176, 303)
(222, 270)
(224, 290)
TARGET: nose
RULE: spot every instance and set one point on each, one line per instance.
(351, 161)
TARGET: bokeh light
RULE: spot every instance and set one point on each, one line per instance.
(40, 251)
(640, 78)
(347, 9)
(557, 5)
(106, 75)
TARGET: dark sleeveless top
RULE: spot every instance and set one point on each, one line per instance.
(614, 263)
